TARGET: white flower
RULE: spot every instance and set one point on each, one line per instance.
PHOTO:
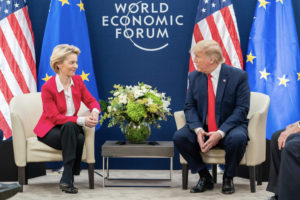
(114, 109)
(166, 105)
(146, 86)
(157, 94)
(123, 99)
(116, 94)
(109, 108)
(150, 101)
(143, 90)
(138, 93)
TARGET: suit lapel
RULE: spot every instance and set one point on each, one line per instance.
(203, 96)
(223, 79)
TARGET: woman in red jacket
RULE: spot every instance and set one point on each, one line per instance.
(59, 125)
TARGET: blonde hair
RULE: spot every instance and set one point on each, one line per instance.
(210, 48)
(59, 54)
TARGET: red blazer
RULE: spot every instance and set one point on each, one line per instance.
(55, 108)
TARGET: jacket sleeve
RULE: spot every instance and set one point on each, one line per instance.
(190, 108)
(50, 108)
(242, 104)
(87, 98)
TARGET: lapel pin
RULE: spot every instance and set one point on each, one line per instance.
(224, 80)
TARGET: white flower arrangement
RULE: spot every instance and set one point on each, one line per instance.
(136, 104)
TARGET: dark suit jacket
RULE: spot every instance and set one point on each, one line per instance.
(232, 99)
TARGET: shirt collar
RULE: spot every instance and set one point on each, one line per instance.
(59, 85)
(216, 72)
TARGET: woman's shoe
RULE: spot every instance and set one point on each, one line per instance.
(68, 188)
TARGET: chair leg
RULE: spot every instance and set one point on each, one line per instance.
(185, 175)
(21, 177)
(252, 178)
(91, 175)
(259, 174)
(214, 172)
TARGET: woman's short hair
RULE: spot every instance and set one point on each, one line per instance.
(210, 48)
(59, 54)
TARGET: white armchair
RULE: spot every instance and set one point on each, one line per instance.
(256, 149)
(25, 111)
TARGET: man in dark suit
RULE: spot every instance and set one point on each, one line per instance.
(216, 109)
(284, 177)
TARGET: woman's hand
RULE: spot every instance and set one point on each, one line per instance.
(90, 121)
(94, 115)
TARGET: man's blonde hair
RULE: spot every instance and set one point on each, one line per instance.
(59, 54)
(210, 48)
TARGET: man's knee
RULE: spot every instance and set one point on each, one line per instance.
(292, 146)
(238, 140)
(178, 138)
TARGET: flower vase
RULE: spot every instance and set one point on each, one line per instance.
(137, 133)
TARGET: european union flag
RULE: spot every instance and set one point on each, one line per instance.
(273, 61)
(66, 24)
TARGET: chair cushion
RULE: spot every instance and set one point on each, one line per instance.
(214, 156)
(40, 152)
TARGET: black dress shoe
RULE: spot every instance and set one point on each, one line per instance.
(204, 183)
(68, 188)
(275, 197)
(228, 186)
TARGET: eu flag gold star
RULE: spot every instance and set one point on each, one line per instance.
(263, 3)
(283, 80)
(250, 57)
(298, 76)
(84, 76)
(264, 74)
(280, 1)
(63, 2)
(46, 78)
(80, 5)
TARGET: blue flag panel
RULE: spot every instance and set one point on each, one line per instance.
(66, 24)
(273, 61)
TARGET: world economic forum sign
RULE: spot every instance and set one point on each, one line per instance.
(141, 22)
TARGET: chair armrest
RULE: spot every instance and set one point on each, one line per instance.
(89, 134)
(256, 148)
(19, 140)
(179, 119)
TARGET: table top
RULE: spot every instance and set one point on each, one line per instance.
(162, 149)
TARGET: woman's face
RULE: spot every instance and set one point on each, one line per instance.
(69, 66)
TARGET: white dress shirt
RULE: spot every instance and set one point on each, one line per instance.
(69, 101)
(214, 79)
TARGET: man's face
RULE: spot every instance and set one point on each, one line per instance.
(203, 62)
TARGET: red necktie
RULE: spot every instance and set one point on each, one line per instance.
(211, 117)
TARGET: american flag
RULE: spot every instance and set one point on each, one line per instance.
(216, 20)
(17, 57)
